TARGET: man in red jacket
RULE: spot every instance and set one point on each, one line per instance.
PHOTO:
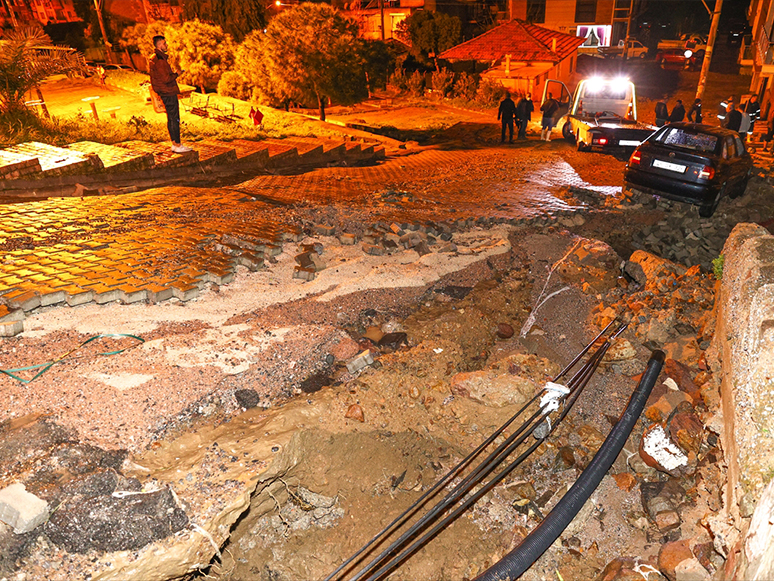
(164, 82)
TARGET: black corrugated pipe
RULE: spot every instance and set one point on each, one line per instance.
(515, 563)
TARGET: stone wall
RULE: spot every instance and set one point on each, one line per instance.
(744, 355)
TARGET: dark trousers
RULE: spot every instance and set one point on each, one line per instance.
(523, 128)
(173, 116)
(509, 124)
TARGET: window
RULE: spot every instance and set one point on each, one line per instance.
(536, 11)
(585, 10)
(739, 146)
(685, 139)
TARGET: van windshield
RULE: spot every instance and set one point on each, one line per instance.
(686, 139)
(610, 98)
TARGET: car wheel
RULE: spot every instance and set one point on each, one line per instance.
(643, 55)
(706, 210)
(579, 145)
(567, 132)
(742, 186)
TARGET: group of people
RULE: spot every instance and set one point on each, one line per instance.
(664, 116)
(521, 114)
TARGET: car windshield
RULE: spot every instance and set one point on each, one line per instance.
(610, 99)
(686, 139)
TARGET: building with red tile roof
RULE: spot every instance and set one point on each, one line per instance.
(520, 55)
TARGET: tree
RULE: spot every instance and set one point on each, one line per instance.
(310, 53)
(27, 57)
(379, 62)
(203, 51)
(430, 33)
(236, 17)
(139, 38)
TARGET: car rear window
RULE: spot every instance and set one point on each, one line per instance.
(684, 139)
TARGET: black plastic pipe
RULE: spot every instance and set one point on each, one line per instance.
(515, 563)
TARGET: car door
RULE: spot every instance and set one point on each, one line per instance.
(559, 92)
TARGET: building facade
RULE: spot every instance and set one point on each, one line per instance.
(25, 12)
(519, 55)
(758, 54)
(600, 22)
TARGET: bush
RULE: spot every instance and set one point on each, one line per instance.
(465, 87)
(416, 84)
(234, 84)
(398, 79)
(443, 82)
(490, 93)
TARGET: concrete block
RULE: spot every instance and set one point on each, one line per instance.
(363, 360)
(20, 509)
(324, 230)
(11, 328)
(304, 273)
(347, 239)
(373, 249)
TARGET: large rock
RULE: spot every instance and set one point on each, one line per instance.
(652, 267)
(593, 262)
(490, 387)
(671, 555)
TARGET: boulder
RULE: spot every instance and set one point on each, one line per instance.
(672, 554)
(593, 263)
(493, 388)
(653, 267)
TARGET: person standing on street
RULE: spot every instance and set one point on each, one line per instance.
(662, 113)
(550, 108)
(164, 82)
(695, 110)
(753, 109)
(678, 113)
(506, 113)
(723, 110)
(524, 112)
(733, 118)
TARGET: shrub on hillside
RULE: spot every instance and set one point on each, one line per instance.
(465, 87)
(234, 84)
(416, 84)
(399, 79)
(443, 82)
(490, 93)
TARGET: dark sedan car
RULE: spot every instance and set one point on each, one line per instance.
(693, 163)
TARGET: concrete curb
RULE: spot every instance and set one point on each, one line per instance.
(744, 345)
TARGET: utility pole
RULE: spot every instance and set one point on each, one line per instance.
(628, 30)
(98, 5)
(381, 10)
(708, 53)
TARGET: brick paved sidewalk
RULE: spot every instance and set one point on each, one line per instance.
(169, 242)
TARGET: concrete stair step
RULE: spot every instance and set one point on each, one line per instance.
(163, 156)
(56, 161)
(15, 165)
(333, 149)
(249, 151)
(309, 152)
(214, 152)
(281, 155)
(114, 158)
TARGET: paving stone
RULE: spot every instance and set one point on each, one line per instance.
(347, 239)
(7, 314)
(362, 361)
(55, 161)
(20, 509)
(373, 249)
(115, 158)
(78, 296)
(324, 230)
(14, 165)
(304, 273)
(163, 156)
(11, 328)
(25, 300)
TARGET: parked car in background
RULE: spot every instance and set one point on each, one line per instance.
(693, 163)
(680, 57)
(635, 50)
(737, 30)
